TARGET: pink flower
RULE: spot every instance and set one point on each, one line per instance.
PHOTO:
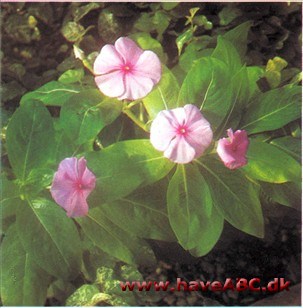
(72, 184)
(183, 134)
(232, 150)
(126, 71)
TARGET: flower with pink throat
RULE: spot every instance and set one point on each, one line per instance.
(232, 150)
(125, 71)
(183, 134)
(72, 184)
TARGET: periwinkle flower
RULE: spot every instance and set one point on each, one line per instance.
(183, 134)
(125, 71)
(72, 184)
(232, 150)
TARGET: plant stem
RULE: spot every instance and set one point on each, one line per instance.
(135, 119)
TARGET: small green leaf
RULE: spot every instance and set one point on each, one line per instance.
(269, 164)
(71, 76)
(184, 38)
(234, 197)
(124, 166)
(195, 221)
(162, 97)
(53, 93)
(56, 250)
(23, 282)
(30, 139)
(273, 109)
(228, 14)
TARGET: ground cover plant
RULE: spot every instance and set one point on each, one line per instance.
(161, 128)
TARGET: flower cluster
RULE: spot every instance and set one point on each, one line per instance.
(183, 134)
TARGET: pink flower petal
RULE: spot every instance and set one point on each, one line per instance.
(128, 50)
(162, 130)
(72, 184)
(136, 87)
(111, 84)
(232, 151)
(149, 65)
(108, 60)
(180, 151)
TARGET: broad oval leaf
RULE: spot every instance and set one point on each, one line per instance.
(205, 87)
(113, 240)
(195, 221)
(143, 213)
(165, 94)
(53, 93)
(56, 250)
(124, 166)
(23, 282)
(273, 109)
(30, 139)
(234, 197)
(269, 164)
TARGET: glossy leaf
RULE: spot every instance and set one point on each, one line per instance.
(238, 37)
(53, 93)
(23, 282)
(56, 250)
(273, 109)
(288, 193)
(226, 52)
(269, 164)
(292, 146)
(86, 114)
(124, 166)
(142, 213)
(30, 138)
(71, 76)
(162, 97)
(204, 86)
(113, 240)
(195, 221)
(234, 197)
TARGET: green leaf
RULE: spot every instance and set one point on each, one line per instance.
(56, 250)
(23, 282)
(124, 166)
(272, 110)
(83, 10)
(143, 213)
(84, 115)
(234, 197)
(238, 37)
(269, 164)
(184, 38)
(226, 52)
(196, 223)
(161, 21)
(205, 87)
(10, 196)
(146, 42)
(228, 14)
(288, 193)
(113, 240)
(30, 138)
(290, 145)
(71, 76)
(254, 74)
(53, 93)
(162, 97)
(169, 5)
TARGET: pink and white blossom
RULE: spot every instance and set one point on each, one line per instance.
(125, 71)
(72, 184)
(183, 134)
(232, 150)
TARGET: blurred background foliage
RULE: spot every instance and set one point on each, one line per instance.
(38, 38)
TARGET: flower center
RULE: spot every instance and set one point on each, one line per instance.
(182, 130)
(126, 68)
(78, 186)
